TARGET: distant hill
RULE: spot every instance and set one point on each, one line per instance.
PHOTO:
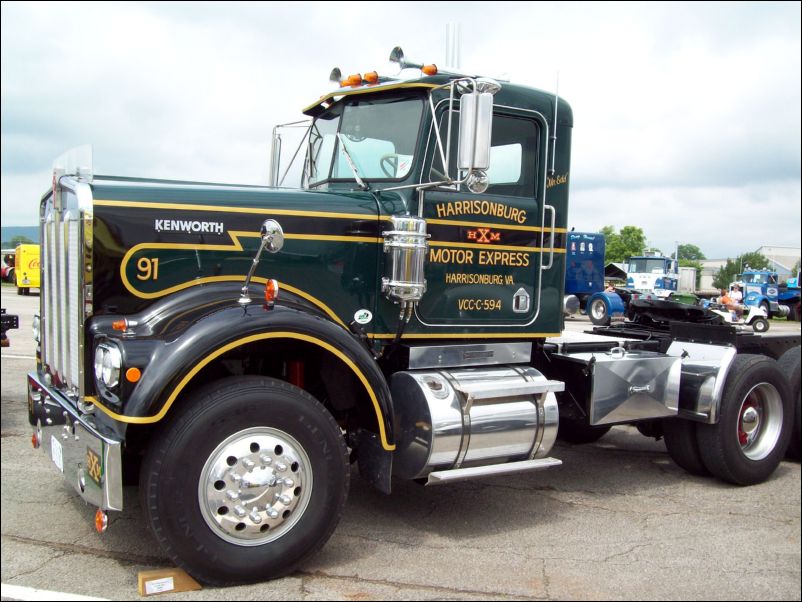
(31, 232)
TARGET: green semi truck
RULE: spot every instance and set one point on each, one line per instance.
(239, 347)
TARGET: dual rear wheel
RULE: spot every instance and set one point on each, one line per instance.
(753, 430)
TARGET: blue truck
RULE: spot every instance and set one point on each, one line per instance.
(584, 267)
(762, 288)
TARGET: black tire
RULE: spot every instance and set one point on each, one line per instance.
(574, 431)
(756, 396)
(19, 290)
(203, 449)
(597, 311)
(760, 325)
(683, 447)
(790, 366)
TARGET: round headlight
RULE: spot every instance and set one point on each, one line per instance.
(100, 353)
(112, 360)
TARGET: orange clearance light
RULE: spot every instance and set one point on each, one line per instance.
(429, 69)
(120, 324)
(271, 291)
(35, 441)
(101, 521)
(371, 77)
(133, 375)
(353, 80)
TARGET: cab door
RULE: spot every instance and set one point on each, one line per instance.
(485, 253)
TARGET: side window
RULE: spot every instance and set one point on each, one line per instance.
(514, 155)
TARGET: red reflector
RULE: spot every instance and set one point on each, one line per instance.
(35, 441)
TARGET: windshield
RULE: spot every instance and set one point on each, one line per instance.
(643, 265)
(380, 136)
(757, 278)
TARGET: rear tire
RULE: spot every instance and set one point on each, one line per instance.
(754, 426)
(598, 313)
(790, 366)
(683, 446)
(574, 431)
(240, 441)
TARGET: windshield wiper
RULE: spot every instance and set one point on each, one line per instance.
(348, 158)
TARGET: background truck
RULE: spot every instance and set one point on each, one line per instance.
(762, 288)
(237, 347)
(584, 266)
(26, 268)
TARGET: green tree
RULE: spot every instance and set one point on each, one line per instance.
(727, 274)
(690, 253)
(19, 240)
(619, 246)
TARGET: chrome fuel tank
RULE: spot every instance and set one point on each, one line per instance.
(450, 419)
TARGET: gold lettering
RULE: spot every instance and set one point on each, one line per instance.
(458, 256)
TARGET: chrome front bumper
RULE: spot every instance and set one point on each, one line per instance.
(90, 460)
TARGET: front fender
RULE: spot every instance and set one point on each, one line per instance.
(176, 355)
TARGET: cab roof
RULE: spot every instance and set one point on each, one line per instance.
(510, 95)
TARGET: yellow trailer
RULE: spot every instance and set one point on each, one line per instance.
(26, 268)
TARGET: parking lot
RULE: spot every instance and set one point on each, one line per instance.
(618, 520)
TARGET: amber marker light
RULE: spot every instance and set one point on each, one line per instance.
(353, 80)
(101, 521)
(429, 69)
(133, 375)
(372, 77)
(271, 291)
(120, 324)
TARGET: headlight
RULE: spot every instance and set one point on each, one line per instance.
(108, 361)
(36, 328)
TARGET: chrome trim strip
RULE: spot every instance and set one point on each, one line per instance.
(454, 356)
(461, 474)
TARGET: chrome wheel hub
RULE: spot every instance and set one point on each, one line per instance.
(598, 310)
(255, 486)
(760, 421)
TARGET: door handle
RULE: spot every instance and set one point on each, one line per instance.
(551, 239)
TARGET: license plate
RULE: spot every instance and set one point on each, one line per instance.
(55, 453)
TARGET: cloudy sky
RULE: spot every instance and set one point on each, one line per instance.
(687, 116)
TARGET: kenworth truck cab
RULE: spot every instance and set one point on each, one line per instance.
(242, 345)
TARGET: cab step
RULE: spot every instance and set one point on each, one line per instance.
(442, 477)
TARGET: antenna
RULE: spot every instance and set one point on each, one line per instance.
(453, 45)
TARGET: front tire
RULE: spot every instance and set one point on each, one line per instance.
(246, 481)
(760, 325)
(598, 313)
(754, 426)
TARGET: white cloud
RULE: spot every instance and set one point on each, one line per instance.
(672, 102)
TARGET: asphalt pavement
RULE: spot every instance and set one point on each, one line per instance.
(618, 520)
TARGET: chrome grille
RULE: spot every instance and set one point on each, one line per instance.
(63, 275)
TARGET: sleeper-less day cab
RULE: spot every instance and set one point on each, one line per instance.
(402, 309)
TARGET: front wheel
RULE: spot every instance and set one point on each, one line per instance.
(598, 313)
(760, 325)
(754, 426)
(246, 481)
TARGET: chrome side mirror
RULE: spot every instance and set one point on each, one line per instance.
(475, 130)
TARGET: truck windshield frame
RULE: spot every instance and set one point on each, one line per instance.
(647, 265)
(383, 134)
